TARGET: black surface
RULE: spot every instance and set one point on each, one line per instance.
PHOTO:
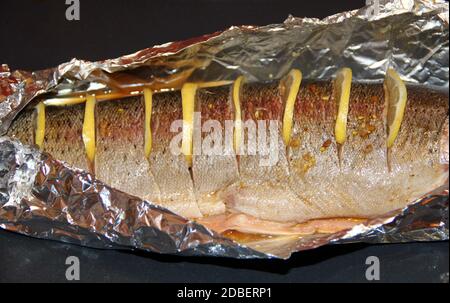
(36, 35)
(34, 260)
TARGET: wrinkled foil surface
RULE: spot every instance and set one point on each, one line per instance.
(45, 198)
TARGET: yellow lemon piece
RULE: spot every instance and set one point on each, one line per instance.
(40, 125)
(214, 83)
(293, 81)
(342, 87)
(64, 101)
(88, 132)
(188, 93)
(148, 97)
(236, 94)
(396, 96)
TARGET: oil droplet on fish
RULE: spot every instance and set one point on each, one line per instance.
(370, 128)
(212, 194)
(258, 114)
(325, 145)
(308, 162)
(374, 99)
(364, 133)
(368, 149)
(294, 143)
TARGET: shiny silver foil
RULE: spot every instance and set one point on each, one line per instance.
(45, 198)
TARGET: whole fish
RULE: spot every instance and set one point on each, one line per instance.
(311, 184)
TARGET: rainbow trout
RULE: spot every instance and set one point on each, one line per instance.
(267, 158)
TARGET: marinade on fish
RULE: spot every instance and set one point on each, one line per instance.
(360, 184)
(314, 180)
(264, 191)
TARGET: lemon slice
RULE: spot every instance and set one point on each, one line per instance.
(148, 97)
(236, 95)
(395, 94)
(88, 132)
(342, 86)
(64, 101)
(214, 83)
(293, 80)
(40, 125)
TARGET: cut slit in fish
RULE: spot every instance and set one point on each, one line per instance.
(214, 163)
(171, 171)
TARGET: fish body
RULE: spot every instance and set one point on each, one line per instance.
(311, 178)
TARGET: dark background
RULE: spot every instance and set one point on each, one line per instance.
(34, 34)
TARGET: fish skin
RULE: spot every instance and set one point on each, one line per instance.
(22, 128)
(213, 104)
(63, 135)
(309, 182)
(171, 172)
(362, 185)
(120, 139)
(320, 177)
(265, 191)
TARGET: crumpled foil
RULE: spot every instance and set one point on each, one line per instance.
(45, 198)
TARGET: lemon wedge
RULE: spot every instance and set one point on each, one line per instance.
(40, 125)
(236, 95)
(342, 86)
(396, 95)
(88, 132)
(293, 81)
(64, 101)
(214, 83)
(148, 97)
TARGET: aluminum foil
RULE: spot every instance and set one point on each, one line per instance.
(45, 198)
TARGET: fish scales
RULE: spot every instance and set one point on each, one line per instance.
(314, 178)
